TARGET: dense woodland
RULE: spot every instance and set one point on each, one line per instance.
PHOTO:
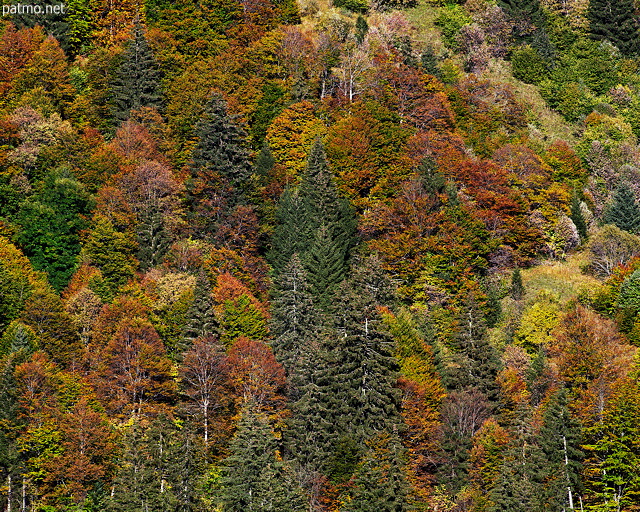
(288, 256)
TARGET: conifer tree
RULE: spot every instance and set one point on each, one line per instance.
(362, 27)
(615, 21)
(295, 324)
(319, 225)
(517, 288)
(518, 485)
(202, 321)
(252, 477)
(322, 204)
(289, 237)
(475, 362)
(380, 481)
(364, 399)
(577, 217)
(311, 435)
(153, 239)
(559, 438)
(325, 265)
(220, 168)
(624, 212)
(136, 82)
(429, 62)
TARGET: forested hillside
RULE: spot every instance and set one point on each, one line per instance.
(290, 256)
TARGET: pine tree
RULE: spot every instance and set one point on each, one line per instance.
(220, 168)
(153, 239)
(616, 22)
(475, 362)
(288, 237)
(295, 324)
(253, 479)
(624, 212)
(518, 485)
(429, 62)
(137, 78)
(517, 288)
(363, 373)
(311, 435)
(362, 27)
(380, 481)
(577, 217)
(527, 16)
(135, 485)
(202, 321)
(559, 438)
(325, 263)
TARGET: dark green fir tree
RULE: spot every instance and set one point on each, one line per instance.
(364, 399)
(379, 482)
(475, 363)
(220, 168)
(615, 21)
(201, 319)
(153, 238)
(559, 441)
(317, 224)
(288, 238)
(362, 27)
(624, 212)
(295, 324)
(577, 217)
(252, 476)
(137, 79)
(429, 62)
(516, 289)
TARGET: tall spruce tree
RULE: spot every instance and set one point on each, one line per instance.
(380, 481)
(364, 399)
(253, 479)
(295, 325)
(624, 211)
(220, 168)
(559, 439)
(319, 225)
(289, 236)
(577, 217)
(153, 239)
(475, 362)
(615, 21)
(137, 79)
(527, 17)
(311, 434)
(518, 484)
(201, 317)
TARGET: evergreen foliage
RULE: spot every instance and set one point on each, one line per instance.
(364, 372)
(153, 239)
(295, 324)
(380, 483)
(429, 62)
(220, 168)
(137, 79)
(202, 320)
(577, 217)
(517, 288)
(615, 21)
(475, 362)
(559, 440)
(252, 476)
(624, 212)
(318, 225)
